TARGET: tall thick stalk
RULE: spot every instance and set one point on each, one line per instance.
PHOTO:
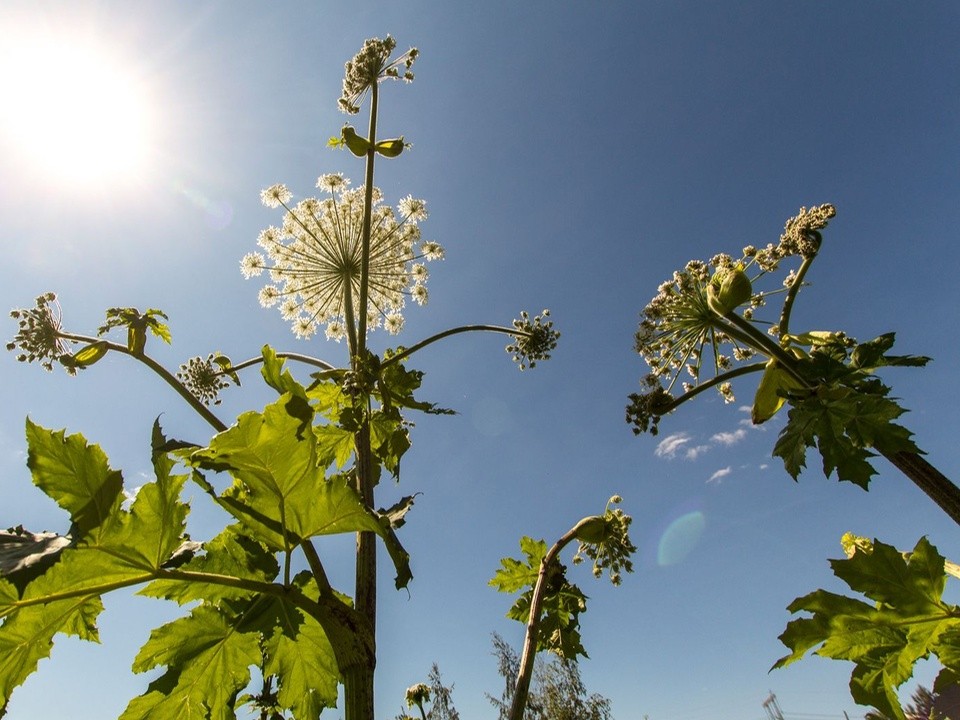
(358, 684)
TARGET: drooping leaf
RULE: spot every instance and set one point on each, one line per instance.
(397, 512)
(843, 424)
(25, 555)
(396, 386)
(276, 376)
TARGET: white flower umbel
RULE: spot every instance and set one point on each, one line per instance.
(314, 259)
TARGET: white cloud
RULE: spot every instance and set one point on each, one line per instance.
(671, 444)
(696, 451)
(729, 438)
(719, 474)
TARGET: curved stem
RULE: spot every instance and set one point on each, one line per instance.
(305, 359)
(522, 688)
(447, 333)
(160, 370)
(729, 375)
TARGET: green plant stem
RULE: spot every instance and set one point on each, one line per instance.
(316, 567)
(367, 213)
(358, 682)
(729, 375)
(407, 352)
(925, 476)
(522, 688)
(350, 315)
(792, 294)
(160, 370)
(763, 344)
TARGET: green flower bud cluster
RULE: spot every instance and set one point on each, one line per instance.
(605, 539)
(729, 289)
(39, 337)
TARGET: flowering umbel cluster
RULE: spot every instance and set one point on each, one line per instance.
(697, 318)
(534, 341)
(370, 66)
(314, 258)
(39, 336)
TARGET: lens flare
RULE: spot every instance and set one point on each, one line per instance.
(680, 538)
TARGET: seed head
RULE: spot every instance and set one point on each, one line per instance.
(39, 336)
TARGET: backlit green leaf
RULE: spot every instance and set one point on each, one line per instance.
(74, 474)
(208, 663)
(905, 621)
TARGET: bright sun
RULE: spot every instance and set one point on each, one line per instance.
(71, 112)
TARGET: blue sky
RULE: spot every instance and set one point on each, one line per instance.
(572, 155)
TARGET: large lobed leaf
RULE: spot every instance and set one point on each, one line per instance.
(842, 423)
(74, 474)
(109, 548)
(208, 663)
(906, 621)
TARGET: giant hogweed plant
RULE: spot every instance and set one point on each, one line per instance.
(305, 466)
(707, 327)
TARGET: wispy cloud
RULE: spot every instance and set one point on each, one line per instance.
(719, 474)
(671, 445)
(729, 438)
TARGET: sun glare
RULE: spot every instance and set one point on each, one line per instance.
(72, 113)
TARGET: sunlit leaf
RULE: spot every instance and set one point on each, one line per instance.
(208, 663)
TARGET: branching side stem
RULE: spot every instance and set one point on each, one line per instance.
(160, 370)
(447, 333)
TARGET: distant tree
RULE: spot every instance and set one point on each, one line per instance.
(557, 692)
(442, 708)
